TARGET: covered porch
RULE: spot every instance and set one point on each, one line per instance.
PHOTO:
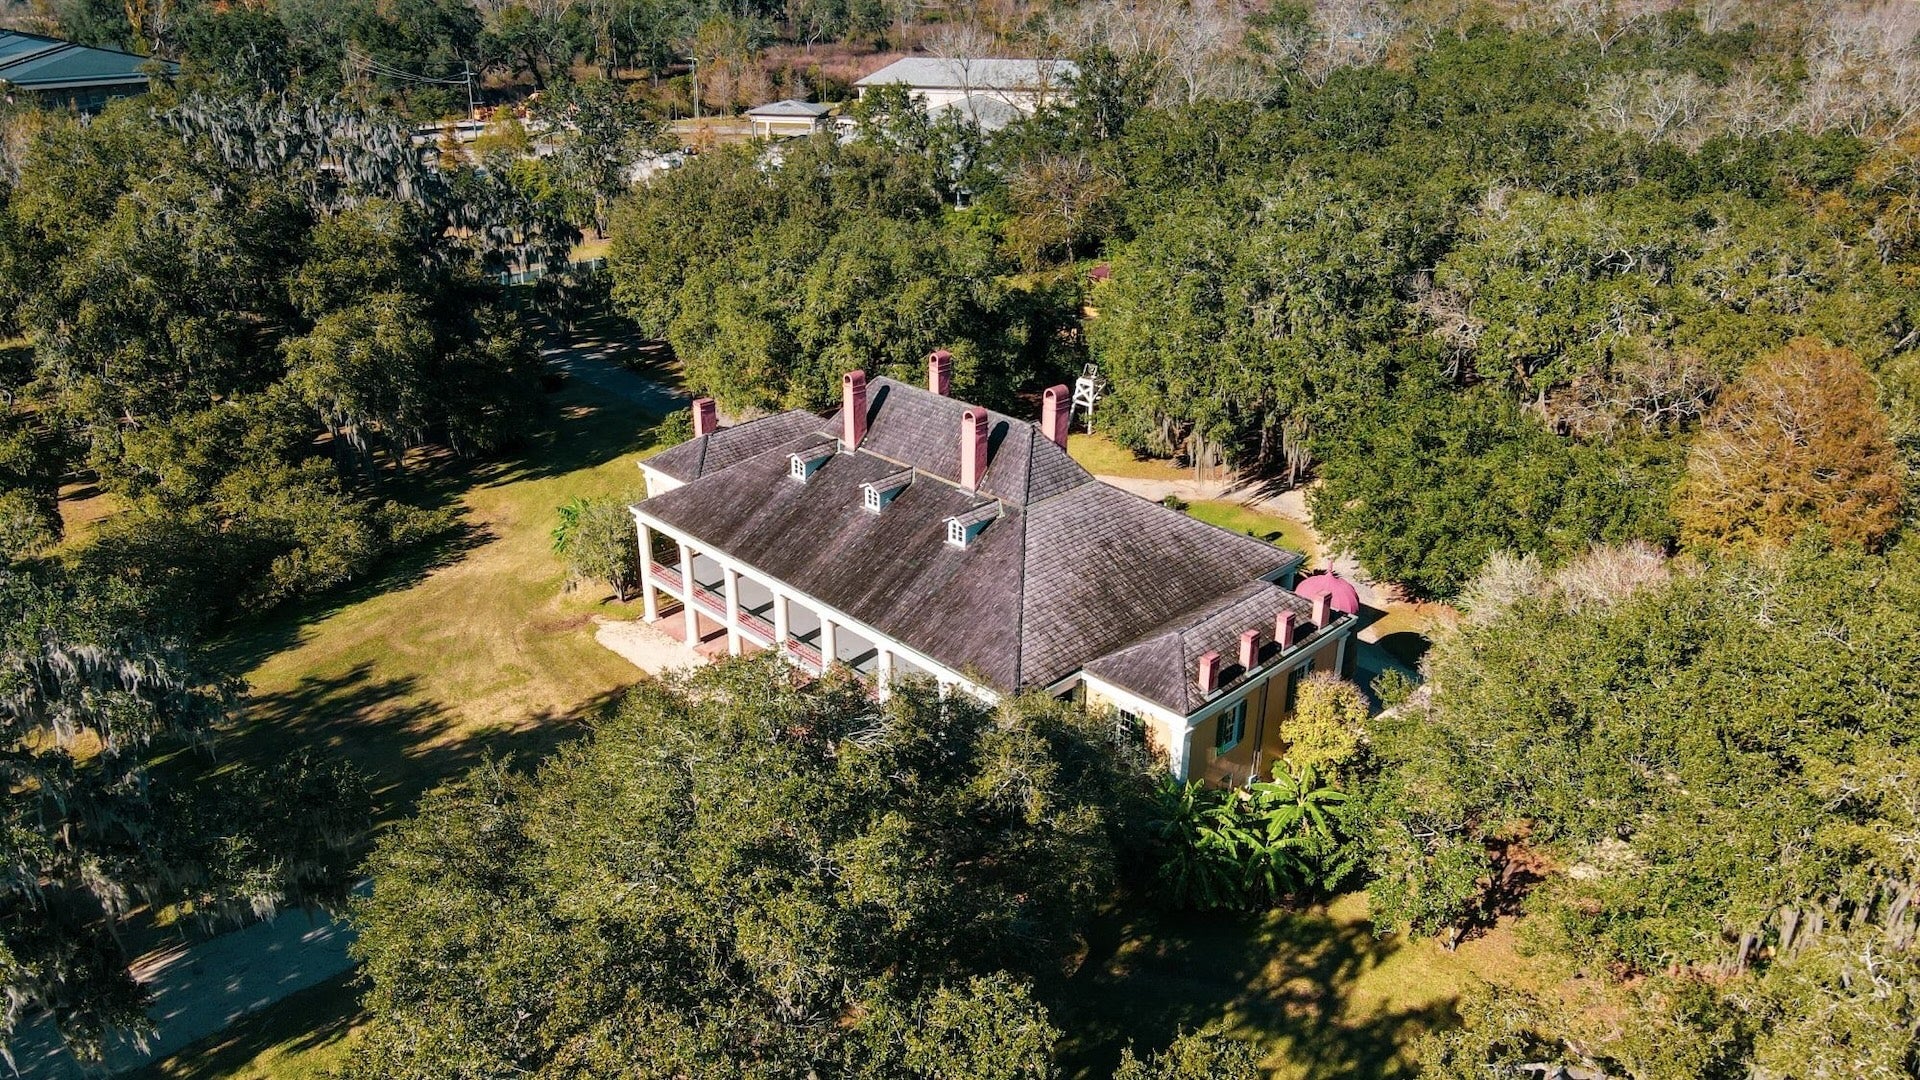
(722, 609)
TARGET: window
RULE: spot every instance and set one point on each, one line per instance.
(805, 463)
(872, 498)
(956, 533)
(1230, 727)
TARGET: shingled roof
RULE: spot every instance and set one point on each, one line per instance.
(1163, 666)
(1070, 569)
(729, 446)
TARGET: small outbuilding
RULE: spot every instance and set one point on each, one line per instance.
(787, 119)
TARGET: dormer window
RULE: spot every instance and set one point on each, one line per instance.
(803, 464)
(877, 494)
(962, 528)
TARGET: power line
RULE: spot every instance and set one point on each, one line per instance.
(378, 67)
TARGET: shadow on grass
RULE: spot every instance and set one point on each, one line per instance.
(301, 1022)
(1281, 982)
(393, 735)
(613, 338)
(250, 641)
(587, 428)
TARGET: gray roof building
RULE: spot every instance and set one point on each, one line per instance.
(967, 544)
(62, 72)
(792, 107)
(974, 74)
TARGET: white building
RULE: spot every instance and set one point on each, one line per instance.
(990, 93)
(787, 119)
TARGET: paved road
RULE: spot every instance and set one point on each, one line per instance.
(199, 989)
(594, 358)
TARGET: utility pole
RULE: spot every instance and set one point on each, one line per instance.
(473, 103)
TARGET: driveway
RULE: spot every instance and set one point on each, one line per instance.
(200, 988)
(596, 354)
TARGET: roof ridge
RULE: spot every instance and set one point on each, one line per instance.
(1020, 617)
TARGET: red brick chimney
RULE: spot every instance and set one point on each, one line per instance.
(853, 408)
(1322, 611)
(1283, 630)
(705, 419)
(1209, 674)
(940, 372)
(1249, 649)
(973, 448)
(1056, 414)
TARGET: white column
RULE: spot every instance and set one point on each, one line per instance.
(649, 607)
(686, 597)
(1340, 657)
(732, 578)
(781, 627)
(829, 645)
(883, 672)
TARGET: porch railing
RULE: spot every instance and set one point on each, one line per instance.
(804, 653)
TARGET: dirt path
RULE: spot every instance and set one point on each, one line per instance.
(646, 648)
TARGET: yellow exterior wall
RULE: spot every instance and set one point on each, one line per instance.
(1261, 746)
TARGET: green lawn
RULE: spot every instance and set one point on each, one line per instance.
(1104, 457)
(1235, 517)
(471, 649)
(1315, 988)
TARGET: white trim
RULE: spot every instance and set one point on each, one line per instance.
(940, 672)
(658, 483)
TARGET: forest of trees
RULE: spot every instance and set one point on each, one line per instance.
(244, 321)
(1597, 319)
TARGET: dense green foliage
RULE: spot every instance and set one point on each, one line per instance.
(238, 321)
(735, 876)
(232, 293)
(595, 537)
(1249, 848)
(86, 699)
(1471, 291)
(1715, 763)
(772, 282)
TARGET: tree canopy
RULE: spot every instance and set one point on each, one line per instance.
(1706, 769)
(738, 876)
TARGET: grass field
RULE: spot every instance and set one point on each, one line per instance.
(1314, 988)
(1104, 457)
(471, 649)
(1235, 517)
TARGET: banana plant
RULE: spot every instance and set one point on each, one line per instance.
(1201, 839)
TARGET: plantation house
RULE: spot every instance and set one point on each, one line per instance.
(916, 535)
